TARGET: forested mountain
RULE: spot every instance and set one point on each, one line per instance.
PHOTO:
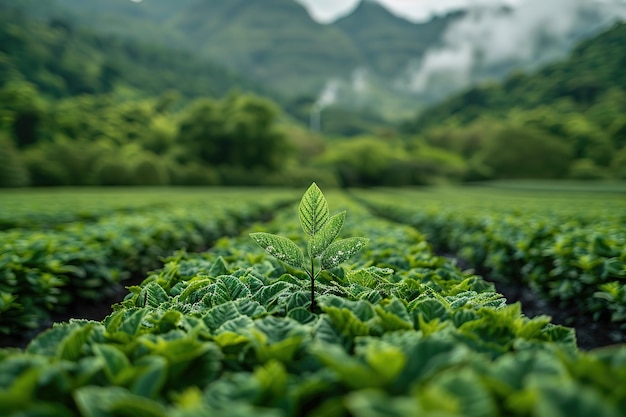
(594, 69)
(79, 108)
(386, 42)
(275, 42)
(573, 111)
(399, 65)
(81, 104)
(61, 60)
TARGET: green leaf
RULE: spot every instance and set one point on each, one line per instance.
(219, 267)
(226, 288)
(472, 397)
(301, 315)
(280, 247)
(71, 347)
(95, 401)
(321, 240)
(313, 210)
(152, 295)
(349, 370)
(151, 377)
(394, 316)
(341, 250)
(219, 315)
(115, 361)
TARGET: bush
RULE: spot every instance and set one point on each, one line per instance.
(150, 170)
(113, 171)
(432, 163)
(13, 171)
(295, 176)
(363, 161)
(193, 174)
(522, 152)
(586, 169)
(618, 167)
(239, 131)
(63, 161)
(43, 170)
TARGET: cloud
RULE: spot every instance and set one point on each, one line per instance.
(328, 10)
(491, 41)
(329, 94)
(420, 10)
(416, 10)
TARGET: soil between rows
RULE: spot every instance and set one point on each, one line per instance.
(83, 309)
(590, 334)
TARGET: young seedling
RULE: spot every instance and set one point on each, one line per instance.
(322, 229)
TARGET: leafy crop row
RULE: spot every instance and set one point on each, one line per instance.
(395, 332)
(574, 255)
(44, 272)
(43, 209)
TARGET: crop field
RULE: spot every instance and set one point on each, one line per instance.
(364, 313)
(568, 247)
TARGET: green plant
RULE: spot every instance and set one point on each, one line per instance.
(322, 228)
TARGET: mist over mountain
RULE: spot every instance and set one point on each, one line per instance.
(369, 58)
(490, 42)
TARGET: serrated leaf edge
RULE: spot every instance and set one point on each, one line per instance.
(360, 243)
(313, 210)
(260, 238)
(326, 235)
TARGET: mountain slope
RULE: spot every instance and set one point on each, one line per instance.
(275, 41)
(408, 65)
(565, 120)
(387, 42)
(62, 60)
(595, 67)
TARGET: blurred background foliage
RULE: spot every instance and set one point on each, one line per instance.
(83, 107)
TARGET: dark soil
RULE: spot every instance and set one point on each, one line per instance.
(89, 310)
(590, 334)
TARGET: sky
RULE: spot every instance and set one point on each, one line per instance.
(417, 10)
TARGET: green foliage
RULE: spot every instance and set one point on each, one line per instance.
(238, 132)
(64, 60)
(619, 164)
(193, 173)
(44, 272)
(21, 112)
(113, 171)
(84, 109)
(578, 102)
(13, 171)
(363, 161)
(369, 161)
(280, 247)
(586, 169)
(525, 153)
(227, 333)
(568, 247)
(299, 56)
(149, 170)
(322, 229)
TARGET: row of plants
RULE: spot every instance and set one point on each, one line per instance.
(396, 331)
(45, 272)
(41, 208)
(570, 251)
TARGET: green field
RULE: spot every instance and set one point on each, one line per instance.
(218, 327)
